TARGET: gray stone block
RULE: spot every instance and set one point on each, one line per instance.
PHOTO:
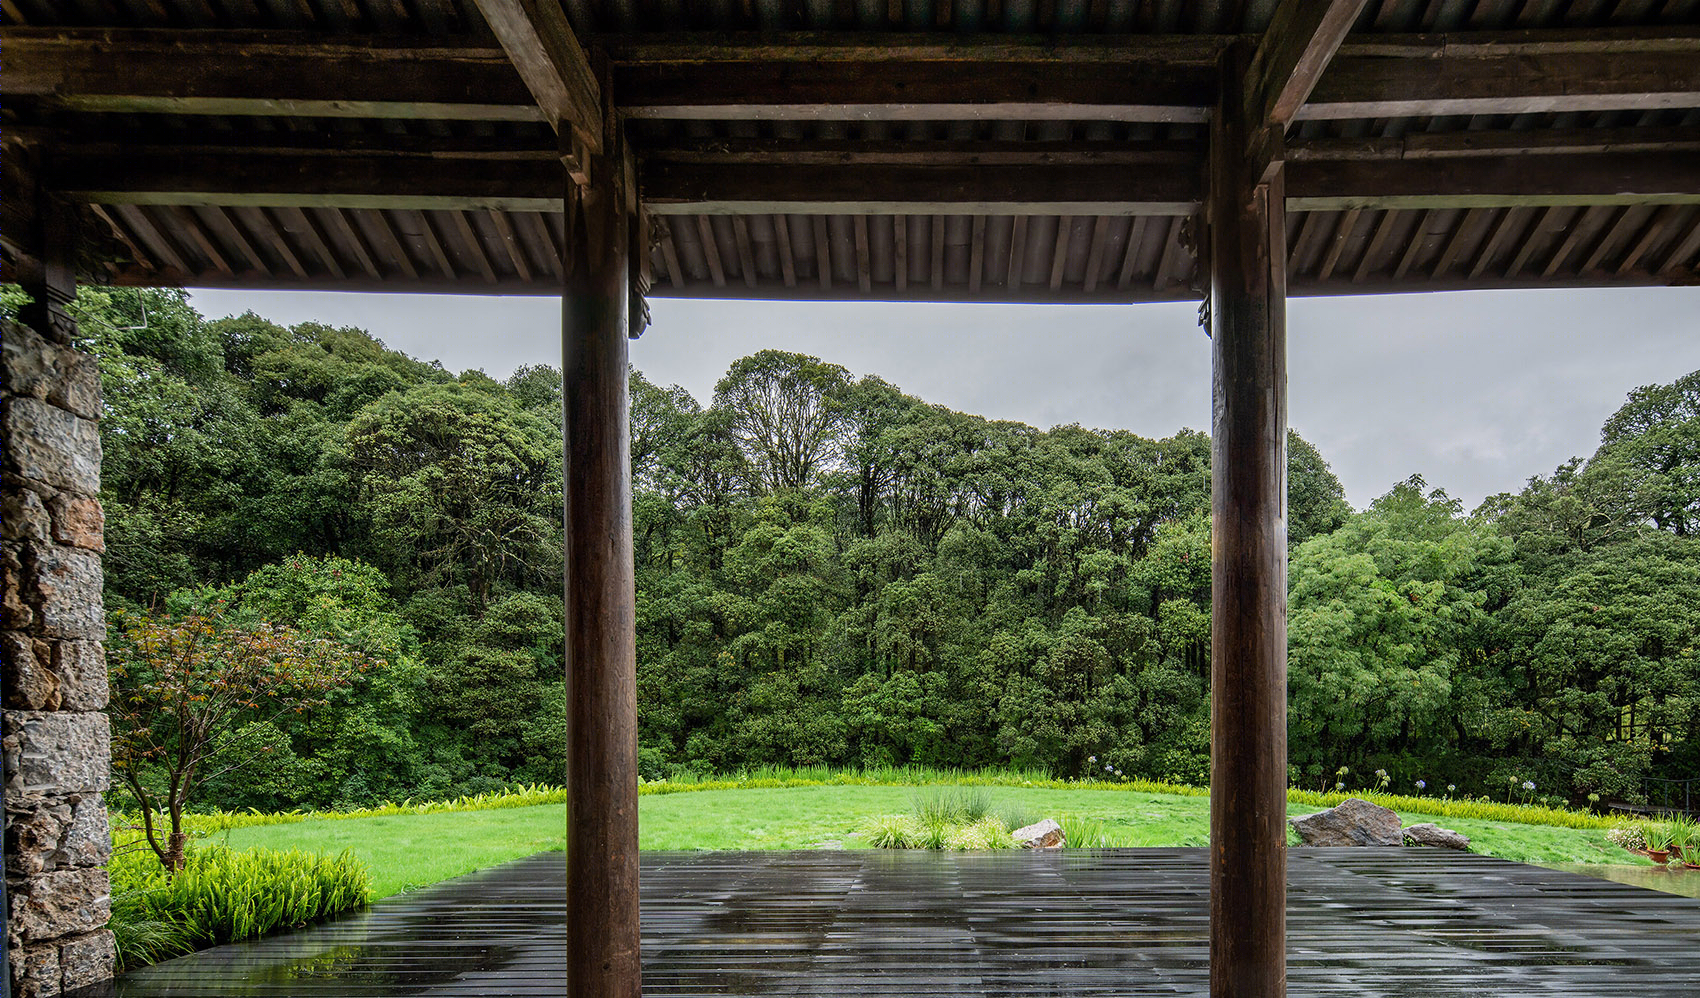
(60, 903)
(81, 670)
(30, 683)
(87, 960)
(54, 446)
(65, 589)
(44, 370)
(56, 752)
(24, 516)
(35, 970)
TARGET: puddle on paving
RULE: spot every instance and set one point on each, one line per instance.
(1685, 883)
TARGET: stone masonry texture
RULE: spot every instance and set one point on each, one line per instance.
(55, 739)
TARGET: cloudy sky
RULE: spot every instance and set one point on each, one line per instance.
(1475, 391)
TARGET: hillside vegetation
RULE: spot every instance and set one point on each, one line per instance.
(832, 572)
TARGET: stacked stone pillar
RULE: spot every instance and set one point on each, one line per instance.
(57, 742)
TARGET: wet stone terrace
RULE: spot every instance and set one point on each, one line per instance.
(1132, 922)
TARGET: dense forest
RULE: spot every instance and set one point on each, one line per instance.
(831, 571)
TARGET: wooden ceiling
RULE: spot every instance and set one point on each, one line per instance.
(954, 150)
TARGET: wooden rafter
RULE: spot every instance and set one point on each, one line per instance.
(190, 223)
(1017, 252)
(1377, 243)
(670, 253)
(976, 253)
(1095, 253)
(434, 243)
(541, 45)
(782, 239)
(936, 259)
(1130, 256)
(1343, 231)
(233, 229)
(900, 251)
(1655, 230)
(512, 244)
(1502, 229)
(823, 252)
(392, 242)
(1290, 58)
(711, 250)
(474, 245)
(318, 240)
(746, 253)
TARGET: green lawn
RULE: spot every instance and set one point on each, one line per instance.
(410, 851)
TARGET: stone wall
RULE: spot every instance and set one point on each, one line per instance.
(57, 743)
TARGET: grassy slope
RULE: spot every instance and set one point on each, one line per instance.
(407, 851)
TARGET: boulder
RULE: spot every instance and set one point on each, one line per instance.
(1430, 834)
(1352, 822)
(1045, 834)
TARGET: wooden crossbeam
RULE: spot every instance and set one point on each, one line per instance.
(541, 45)
(668, 187)
(969, 77)
(1496, 182)
(1527, 72)
(172, 71)
(744, 188)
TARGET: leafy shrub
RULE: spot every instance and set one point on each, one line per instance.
(222, 895)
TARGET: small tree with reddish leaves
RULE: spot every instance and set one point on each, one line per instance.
(186, 692)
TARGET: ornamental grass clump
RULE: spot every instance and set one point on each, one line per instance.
(221, 895)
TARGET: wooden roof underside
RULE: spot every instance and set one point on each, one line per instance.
(1000, 150)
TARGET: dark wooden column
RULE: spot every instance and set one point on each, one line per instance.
(602, 822)
(1248, 654)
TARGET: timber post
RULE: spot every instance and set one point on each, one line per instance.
(1248, 652)
(601, 654)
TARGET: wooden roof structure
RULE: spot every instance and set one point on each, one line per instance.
(956, 150)
(943, 150)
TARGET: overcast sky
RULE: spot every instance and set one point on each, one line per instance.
(1475, 391)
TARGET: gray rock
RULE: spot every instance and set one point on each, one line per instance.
(35, 970)
(65, 586)
(60, 903)
(81, 669)
(25, 516)
(47, 444)
(87, 959)
(1352, 822)
(1045, 834)
(30, 684)
(56, 751)
(44, 370)
(34, 833)
(1430, 834)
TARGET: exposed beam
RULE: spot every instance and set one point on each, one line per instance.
(1508, 142)
(739, 188)
(190, 71)
(1151, 77)
(197, 177)
(541, 45)
(1302, 37)
(1520, 72)
(778, 82)
(1498, 182)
